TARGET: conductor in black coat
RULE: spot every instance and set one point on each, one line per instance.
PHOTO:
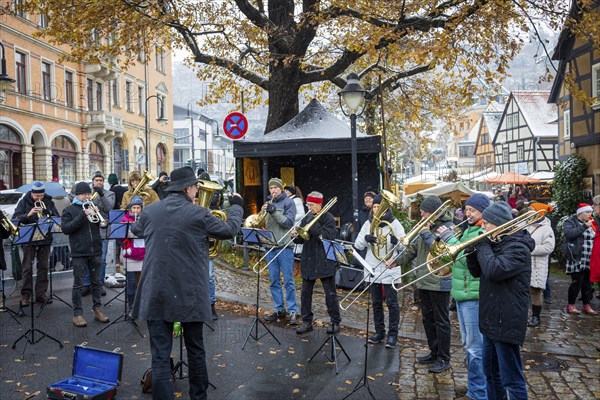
(314, 264)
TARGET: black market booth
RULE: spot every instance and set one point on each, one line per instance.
(312, 151)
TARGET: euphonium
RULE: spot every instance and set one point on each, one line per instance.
(206, 190)
(376, 230)
(139, 189)
(258, 220)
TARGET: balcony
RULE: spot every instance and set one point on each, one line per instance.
(105, 69)
(103, 125)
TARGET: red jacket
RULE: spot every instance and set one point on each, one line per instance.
(130, 250)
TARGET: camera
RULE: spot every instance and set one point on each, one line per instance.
(167, 178)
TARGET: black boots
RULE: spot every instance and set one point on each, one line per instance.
(535, 316)
(215, 316)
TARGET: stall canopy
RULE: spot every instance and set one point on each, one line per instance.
(313, 152)
(512, 178)
(456, 191)
(543, 176)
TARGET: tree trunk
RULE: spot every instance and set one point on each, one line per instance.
(283, 95)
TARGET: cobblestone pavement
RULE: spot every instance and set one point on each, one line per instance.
(561, 356)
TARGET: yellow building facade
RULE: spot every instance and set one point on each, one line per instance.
(63, 120)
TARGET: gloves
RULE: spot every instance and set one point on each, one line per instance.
(271, 208)
(236, 199)
(393, 240)
(99, 190)
(371, 239)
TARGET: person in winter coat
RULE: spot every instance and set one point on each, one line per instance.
(27, 212)
(542, 233)
(434, 291)
(134, 249)
(86, 253)
(148, 195)
(465, 291)
(365, 211)
(314, 264)
(504, 271)
(105, 201)
(595, 256)
(161, 185)
(174, 282)
(4, 234)
(280, 216)
(390, 231)
(579, 238)
(294, 193)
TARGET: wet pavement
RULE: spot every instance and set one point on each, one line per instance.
(561, 356)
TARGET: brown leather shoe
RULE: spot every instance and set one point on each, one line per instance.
(99, 316)
(24, 301)
(461, 390)
(79, 322)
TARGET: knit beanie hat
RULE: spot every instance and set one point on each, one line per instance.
(584, 207)
(291, 189)
(478, 201)
(276, 182)
(134, 176)
(498, 213)
(82, 188)
(314, 197)
(370, 194)
(136, 201)
(97, 174)
(38, 187)
(431, 203)
(112, 179)
(377, 200)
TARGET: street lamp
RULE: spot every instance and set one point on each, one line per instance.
(161, 120)
(6, 82)
(189, 115)
(353, 95)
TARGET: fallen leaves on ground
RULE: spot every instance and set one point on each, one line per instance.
(295, 376)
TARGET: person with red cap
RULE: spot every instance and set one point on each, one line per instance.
(577, 249)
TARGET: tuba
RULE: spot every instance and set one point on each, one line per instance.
(379, 249)
(206, 190)
(139, 189)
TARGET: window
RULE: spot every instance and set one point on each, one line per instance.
(520, 152)
(505, 156)
(114, 93)
(43, 21)
(488, 161)
(509, 121)
(90, 94)
(46, 78)
(141, 100)
(99, 106)
(485, 138)
(516, 120)
(69, 96)
(21, 72)
(161, 107)
(567, 124)
(466, 151)
(129, 96)
(160, 60)
(20, 8)
(182, 136)
(596, 86)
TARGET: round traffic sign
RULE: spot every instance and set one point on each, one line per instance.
(235, 125)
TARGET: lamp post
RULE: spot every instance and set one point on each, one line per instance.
(6, 82)
(161, 120)
(353, 96)
(193, 149)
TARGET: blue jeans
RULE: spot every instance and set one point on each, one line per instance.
(161, 344)
(211, 281)
(503, 370)
(86, 276)
(284, 264)
(472, 341)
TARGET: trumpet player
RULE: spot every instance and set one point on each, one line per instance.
(389, 234)
(280, 215)
(434, 291)
(31, 207)
(314, 264)
(86, 251)
(148, 195)
(104, 201)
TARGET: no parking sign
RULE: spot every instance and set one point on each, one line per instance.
(235, 125)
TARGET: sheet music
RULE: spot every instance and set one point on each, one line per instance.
(363, 262)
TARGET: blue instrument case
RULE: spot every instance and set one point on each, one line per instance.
(96, 375)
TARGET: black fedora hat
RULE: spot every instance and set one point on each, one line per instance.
(181, 178)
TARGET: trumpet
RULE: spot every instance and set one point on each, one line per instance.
(405, 241)
(442, 255)
(41, 205)
(8, 225)
(302, 232)
(93, 214)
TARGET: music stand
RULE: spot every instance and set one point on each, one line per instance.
(28, 234)
(334, 252)
(114, 218)
(10, 312)
(179, 365)
(251, 235)
(54, 228)
(120, 230)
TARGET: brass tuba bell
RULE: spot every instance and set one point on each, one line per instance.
(379, 249)
(206, 190)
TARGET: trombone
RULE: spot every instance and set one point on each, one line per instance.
(302, 232)
(442, 255)
(405, 241)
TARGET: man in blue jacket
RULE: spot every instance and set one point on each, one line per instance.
(503, 266)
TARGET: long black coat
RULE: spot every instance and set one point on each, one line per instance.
(313, 262)
(174, 282)
(504, 270)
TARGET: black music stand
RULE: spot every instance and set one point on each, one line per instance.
(251, 235)
(120, 230)
(114, 218)
(334, 252)
(54, 228)
(27, 234)
(180, 364)
(10, 312)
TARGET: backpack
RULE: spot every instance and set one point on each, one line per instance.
(146, 380)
